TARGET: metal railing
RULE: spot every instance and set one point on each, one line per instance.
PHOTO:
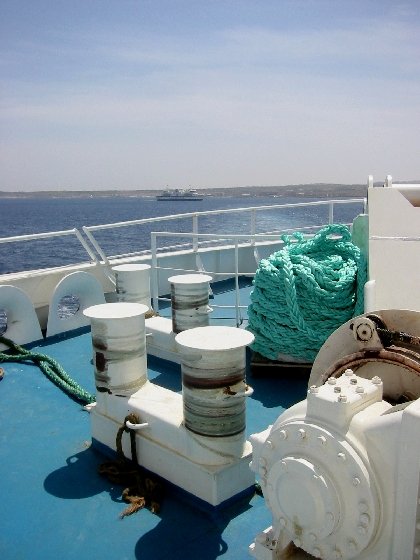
(98, 255)
(51, 235)
(235, 273)
(195, 216)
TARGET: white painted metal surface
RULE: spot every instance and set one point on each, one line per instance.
(160, 339)
(209, 472)
(133, 283)
(119, 347)
(86, 289)
(357, 344)
(340, 473)
(394, 247)
(212, 469)
(189, 301)
(22, 324)
(213, 380)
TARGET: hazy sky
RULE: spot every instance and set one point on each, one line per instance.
(99, 94)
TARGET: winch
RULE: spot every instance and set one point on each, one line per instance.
(340, 470)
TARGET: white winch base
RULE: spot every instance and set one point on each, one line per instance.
(340, 474)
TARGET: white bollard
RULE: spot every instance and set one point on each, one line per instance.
(119, 347)
(189, 301)
(213, 382)
(133, 283)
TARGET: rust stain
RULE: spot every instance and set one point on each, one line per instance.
(99, 344)
(100, 361)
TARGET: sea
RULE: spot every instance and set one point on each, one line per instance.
(22, 216)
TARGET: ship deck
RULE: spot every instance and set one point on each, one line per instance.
(56, 505)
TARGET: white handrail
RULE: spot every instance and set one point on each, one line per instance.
(98, 255)
(50, 235)
(194, 216)
(235, 273)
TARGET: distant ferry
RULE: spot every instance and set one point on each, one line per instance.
(179, 194)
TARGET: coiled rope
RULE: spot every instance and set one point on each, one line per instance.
(50, 367)
(304, 292)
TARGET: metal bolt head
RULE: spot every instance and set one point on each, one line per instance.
(332, 381)
(360, 389)
(351, 546)
(362, 530)
(353, 381)
(342, 398)
(364, 519)
(322, 440)
(337, 389)
(302, 433)
(376, 380)
(364, 332)
(313, 389)
(313, 537)
(283, 434)
(348, 372)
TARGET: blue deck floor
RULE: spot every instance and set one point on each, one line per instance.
(56, 505)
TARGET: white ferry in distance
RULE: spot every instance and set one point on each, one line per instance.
(179, 194)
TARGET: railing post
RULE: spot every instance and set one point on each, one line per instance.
(95, 244)
(85, 246)
(195, 231)
(155, 279)
(237, 299)
(253, 234)
(198, 262)
(331, 212)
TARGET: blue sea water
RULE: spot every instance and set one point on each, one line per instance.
(19, 216)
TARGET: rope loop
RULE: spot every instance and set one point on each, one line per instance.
(304, 292)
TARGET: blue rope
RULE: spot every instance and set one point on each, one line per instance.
(305, 291)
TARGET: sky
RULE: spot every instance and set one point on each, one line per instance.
(149, 94)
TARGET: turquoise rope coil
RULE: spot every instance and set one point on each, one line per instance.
(304, 292)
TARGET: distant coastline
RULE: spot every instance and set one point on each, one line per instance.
(314, 190)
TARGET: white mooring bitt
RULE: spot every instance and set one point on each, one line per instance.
(213, 469)
(190, 309)
(213, 381)
(133, 283)
(119, 347)
(189, 301)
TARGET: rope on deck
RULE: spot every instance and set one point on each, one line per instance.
(142, 488)
(49, 367)
(305, 291)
